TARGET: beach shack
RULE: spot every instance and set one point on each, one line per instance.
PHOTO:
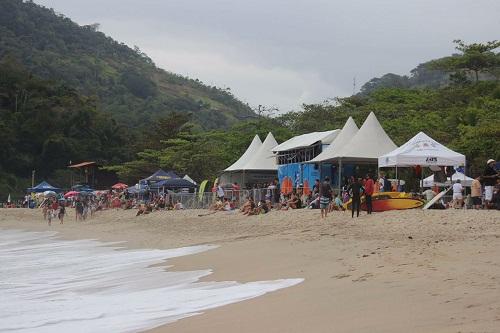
(293, 159)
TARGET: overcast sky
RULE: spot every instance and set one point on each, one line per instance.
(286, 52)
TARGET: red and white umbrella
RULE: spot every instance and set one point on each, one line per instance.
(119, 186)
(71, 194)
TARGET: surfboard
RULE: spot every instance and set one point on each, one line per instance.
(436, 198)
(384, 201)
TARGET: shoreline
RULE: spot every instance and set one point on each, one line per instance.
(361, 275)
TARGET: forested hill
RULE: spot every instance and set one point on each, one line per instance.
(124, 82)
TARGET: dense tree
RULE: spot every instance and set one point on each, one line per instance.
(475, 58)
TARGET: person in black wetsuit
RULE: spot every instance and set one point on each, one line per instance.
(356, 189)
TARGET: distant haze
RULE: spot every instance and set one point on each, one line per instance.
(286, 52)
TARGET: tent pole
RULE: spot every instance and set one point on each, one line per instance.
(340, 175)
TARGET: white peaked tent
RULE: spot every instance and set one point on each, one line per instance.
(369, 142)
(421, 150)
(263, 159)
(247, 155)
(466, 181)
(346, 134)
(189, 179)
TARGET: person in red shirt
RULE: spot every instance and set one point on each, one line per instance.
(369, 188)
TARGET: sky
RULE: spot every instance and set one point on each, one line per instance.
(282, 53)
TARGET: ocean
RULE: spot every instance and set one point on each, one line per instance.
(53, 285)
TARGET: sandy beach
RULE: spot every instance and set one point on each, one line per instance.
(399, 271)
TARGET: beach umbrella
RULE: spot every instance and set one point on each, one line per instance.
(119, 186)
(71, 194)
(49, 193)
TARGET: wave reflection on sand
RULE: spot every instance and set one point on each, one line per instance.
(51, 285)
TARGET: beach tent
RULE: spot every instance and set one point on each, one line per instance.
(189, 179)
(173, 183)
(369, 142)
(346, 134)
(247, 155)
(162, 175)
(421, 150)
(42, 187)
(466, 181)
(263, 159)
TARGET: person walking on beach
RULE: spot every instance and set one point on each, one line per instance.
(325, 197)
(369, 188)
(356, 190)
(490, 177)
(62, 211)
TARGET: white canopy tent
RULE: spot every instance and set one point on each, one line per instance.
(369, 142)
(263, 159)
(466, 181)
(346, 134)
(247, 155)
(305, 140)
(256, 165)
(421, 150)
(189, 179)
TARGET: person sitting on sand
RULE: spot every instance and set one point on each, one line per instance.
(337, 203)
(248, 206)
(314, 203)
(293, 203)
(178, 205)
(218, 205)
(262, 208)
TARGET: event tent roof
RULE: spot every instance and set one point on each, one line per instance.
(346, 134)
(264, 159)
(42, 187)
(466, 181)
(173, 183)
(305, 140)
(247, 155)
(162, 175)
(368, 143)
(189, 179)
(421, 150)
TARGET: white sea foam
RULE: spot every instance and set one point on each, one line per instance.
(51, 285)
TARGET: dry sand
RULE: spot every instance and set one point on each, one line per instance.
(400, 271)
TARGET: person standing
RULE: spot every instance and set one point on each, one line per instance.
(475, 192)
(369, 188)
(325, 197)
(490, 177)
(220, 192)
(457, 194)
(356, 190)
(236, 191)
(62, 211)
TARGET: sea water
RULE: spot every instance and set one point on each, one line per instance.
(53, 285)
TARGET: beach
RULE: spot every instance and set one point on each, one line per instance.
(398, 271)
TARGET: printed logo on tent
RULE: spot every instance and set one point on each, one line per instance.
(431, 160)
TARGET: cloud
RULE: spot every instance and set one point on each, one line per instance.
(285, 52)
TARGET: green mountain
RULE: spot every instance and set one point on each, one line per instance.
(124, 82)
